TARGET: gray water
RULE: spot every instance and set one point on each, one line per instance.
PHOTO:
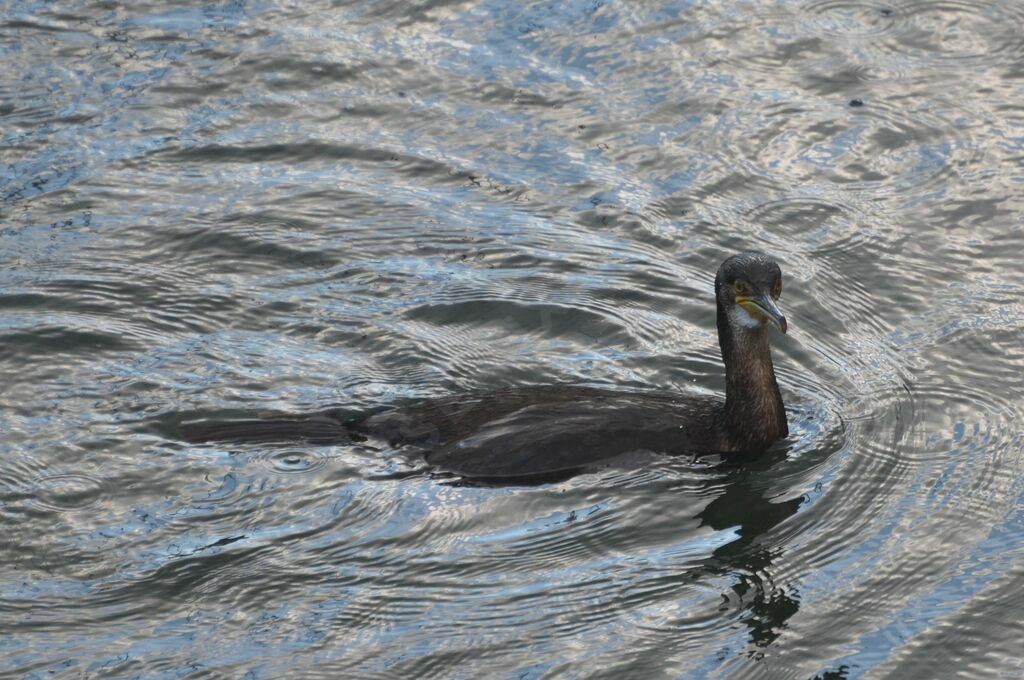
(233, 208)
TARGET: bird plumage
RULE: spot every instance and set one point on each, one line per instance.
(530, 432)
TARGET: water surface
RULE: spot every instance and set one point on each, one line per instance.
(225, 208)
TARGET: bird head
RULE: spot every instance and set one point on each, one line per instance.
(747, 288)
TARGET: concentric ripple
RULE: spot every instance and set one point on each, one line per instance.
(860, 19)
(889, 147)
(811, 224)
(935, 32)
(64, 492)
(966, 32)
(293, 460)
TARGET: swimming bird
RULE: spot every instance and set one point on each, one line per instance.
(536, 432)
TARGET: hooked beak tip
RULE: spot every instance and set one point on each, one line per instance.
(765, 306)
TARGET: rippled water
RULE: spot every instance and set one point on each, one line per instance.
(220, 209)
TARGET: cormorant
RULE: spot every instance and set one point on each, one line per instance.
(535, 432)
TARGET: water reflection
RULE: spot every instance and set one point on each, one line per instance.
(248, 207)
(745, 508)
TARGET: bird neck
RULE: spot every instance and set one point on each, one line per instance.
(754, 415)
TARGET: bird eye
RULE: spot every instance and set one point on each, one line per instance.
(777, 289)
(740, 287)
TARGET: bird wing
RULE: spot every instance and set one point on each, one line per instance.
(542, 439)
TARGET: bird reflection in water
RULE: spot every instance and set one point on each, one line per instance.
(745, 508)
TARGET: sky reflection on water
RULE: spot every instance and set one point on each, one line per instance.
(221, 209)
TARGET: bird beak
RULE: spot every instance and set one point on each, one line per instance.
(763, 306)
